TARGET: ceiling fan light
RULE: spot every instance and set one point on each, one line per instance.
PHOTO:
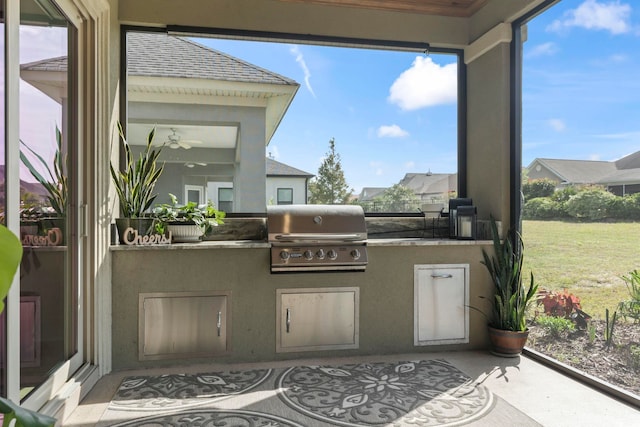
(174, 145)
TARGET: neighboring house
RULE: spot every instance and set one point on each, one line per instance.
(198, 99)
(431, 187)
(621, 177)
(369, 193)
(428, 187)
(286, 185)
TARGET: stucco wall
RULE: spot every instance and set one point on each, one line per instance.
(297, 184)
(386, 296)
(488, 133)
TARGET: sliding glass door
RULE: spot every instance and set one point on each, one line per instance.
(46, 173)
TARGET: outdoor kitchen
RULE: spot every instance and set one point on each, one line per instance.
(311, 283)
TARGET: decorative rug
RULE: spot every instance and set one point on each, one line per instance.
(411, 393)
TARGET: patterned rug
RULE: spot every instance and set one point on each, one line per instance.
(412, 393)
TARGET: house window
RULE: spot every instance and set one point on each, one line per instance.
(285, 196)
(225, 199)
(194, 193)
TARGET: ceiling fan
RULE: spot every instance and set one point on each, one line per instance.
(174, 141)
(193, 164)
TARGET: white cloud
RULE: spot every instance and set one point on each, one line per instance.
(557, 124)
(594, 157)
(544, 49)
(392, 131)
(612, 16)
(409, 165)
(425, 84)
(303, 65)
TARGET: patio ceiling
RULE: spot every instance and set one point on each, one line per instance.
(458, 8)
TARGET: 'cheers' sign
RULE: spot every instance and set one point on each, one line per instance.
(132, 237)
(53, 238)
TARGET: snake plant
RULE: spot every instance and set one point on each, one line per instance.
(511, 298)
(136, 181)
(56, 183)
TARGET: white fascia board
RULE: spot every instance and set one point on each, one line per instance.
(501, 33)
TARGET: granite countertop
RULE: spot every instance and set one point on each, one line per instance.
(259, 244)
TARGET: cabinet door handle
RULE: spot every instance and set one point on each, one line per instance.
(219, 323)
(288, 319)
(442, 276)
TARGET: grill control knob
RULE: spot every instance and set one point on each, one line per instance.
(332, 254)
(320, 253)
(355, 254)
(284, 255)
(308, 255)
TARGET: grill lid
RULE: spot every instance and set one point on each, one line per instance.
(316, 223)
(317, 238)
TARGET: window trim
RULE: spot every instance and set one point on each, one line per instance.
(290, 201)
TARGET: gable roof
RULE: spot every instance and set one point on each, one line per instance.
(430, 183)
(275, 168)
(577, 171)
(369, 193)
(632, 161)
(162, 55)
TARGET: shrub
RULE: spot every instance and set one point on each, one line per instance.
(538, 188)
(564, 194)
(592, 204)
(558, 303)
(555, 326)
(631, 307)
(543, 208)
(626, 207)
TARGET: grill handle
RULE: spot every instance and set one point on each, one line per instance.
(307, 236)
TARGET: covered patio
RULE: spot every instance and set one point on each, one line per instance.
(106, 330)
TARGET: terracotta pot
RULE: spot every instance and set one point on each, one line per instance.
(507, 343)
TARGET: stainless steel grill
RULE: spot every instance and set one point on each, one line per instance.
(317, 238)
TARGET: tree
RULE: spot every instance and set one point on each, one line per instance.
(398, 199)
(330, 186)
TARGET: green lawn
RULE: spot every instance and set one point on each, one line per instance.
(588, 259)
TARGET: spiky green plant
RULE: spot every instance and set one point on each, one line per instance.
(56, 183)
(511, 298)
(137, 179)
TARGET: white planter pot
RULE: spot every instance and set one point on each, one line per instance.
(185, 233)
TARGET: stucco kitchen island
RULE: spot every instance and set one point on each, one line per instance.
(251, 318)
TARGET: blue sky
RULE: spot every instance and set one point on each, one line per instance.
(393, 113)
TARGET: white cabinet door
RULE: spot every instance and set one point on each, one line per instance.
(317, 319)
(441, 304)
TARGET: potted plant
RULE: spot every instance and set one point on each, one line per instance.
(188, 222)
(134, 185)
(508, 330)
(10, 256)
(56, 185)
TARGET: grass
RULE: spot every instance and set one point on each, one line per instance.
(587, 259)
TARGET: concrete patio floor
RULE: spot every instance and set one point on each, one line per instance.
(548, 397)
